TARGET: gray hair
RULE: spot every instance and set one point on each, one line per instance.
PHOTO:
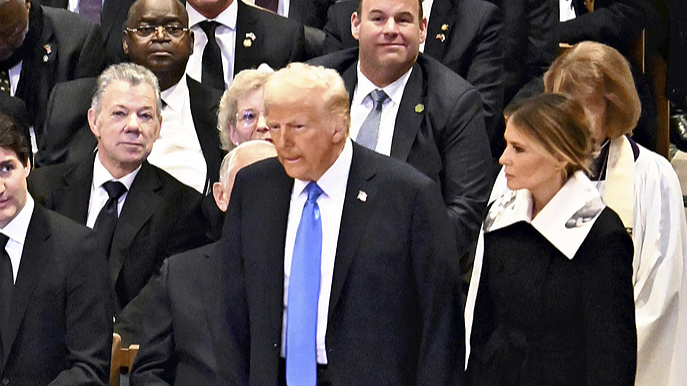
(2, 2)
(243, 84)
(243, 155)
(130, 73)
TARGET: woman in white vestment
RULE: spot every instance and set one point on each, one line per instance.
(642, 187)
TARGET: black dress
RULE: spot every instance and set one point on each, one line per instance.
(543, 319)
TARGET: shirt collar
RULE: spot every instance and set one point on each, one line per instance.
(175, 96)
(333, 181)
(101, 175)
(17, 228)
(393, 90)
(227, 18)
(565, 221)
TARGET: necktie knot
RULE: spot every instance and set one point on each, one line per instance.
(378, 97)
(314, 191)
(114, 189)
(209, 27)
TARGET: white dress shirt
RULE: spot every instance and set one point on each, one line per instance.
(14, 74)
(177, 151)
(99, 195)
(16, 231)
(567, 12)
(225, 34)
(362, 105)
(333, 183)
(74, 5)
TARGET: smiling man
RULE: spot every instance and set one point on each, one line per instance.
(140, 213)
(407, 105)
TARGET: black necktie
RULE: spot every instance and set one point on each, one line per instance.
(6, 287)
(107, 218)
(271, 5)
(212, 73)
(5, 86)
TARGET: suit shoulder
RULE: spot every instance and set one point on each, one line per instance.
(392, 169)
(66, 229)
(441, 77)
(480, 9)
(190, 260)
(339, 60)
(64, 21)
(174, 186)
(44, 179)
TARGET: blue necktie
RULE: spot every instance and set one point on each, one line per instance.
(304, 290)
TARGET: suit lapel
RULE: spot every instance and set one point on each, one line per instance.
(244, 55)
(350, 77)
(443, 12)
(73, 197)
(353, 219)
(36, 251)
(139, 205)
(203, 107)
(410, 115)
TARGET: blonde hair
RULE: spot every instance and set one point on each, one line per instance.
(243, 84)
(590, 68)
(304, 79)
(559, 126)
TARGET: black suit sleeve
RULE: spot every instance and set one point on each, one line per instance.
(466, 160)
(88, 312)
(437, 274)
(147, 320)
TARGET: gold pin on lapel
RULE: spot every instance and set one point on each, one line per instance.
(419, 108)
(362, 196)
(47, 49)
(248, 41)
(444, 27)
(441, 37)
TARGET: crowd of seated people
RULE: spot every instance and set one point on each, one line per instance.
(295, 192)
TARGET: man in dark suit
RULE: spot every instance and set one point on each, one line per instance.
(438, 127)
(464, 35)
(111, 16)
(380, 284)
(15, 109)
(245, 37)
(188, 147)
(55, 304)
(58, 46)
(157, 215)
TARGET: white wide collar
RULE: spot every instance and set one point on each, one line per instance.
(565, 221)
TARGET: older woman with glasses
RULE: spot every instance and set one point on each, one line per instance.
(242, 110)
(642, 187)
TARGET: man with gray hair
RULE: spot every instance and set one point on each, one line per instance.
(141, 213)
(41, 46)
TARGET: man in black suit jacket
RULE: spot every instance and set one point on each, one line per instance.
(158, 216)
(59, 46)
(389, 309)
(439, 127)
(112, 18)
(166, 56)
(57, 327)
(260, 37)
(464, 35)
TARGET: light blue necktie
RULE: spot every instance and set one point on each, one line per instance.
(369, 130)
(304, 290)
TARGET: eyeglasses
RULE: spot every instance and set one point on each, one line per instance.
(248, 118)
(144, 31)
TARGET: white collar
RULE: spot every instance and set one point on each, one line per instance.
(333, 181)
(393, 90)
(175, 97)
(227, 18)
(17, 228)
(565, 221)
(101, 175)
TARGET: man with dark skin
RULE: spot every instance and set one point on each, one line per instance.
(157, 37)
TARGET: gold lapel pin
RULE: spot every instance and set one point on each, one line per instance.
(250, 36)
(247, 43)
(444, 27)
(441, 37)
(419, 108)
(362, 196)
(47, 48)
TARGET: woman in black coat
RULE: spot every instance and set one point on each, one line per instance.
(555, 301)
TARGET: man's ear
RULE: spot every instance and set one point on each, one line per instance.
(125, 45)
(355, 25)
(220, 196)
(92, 117)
